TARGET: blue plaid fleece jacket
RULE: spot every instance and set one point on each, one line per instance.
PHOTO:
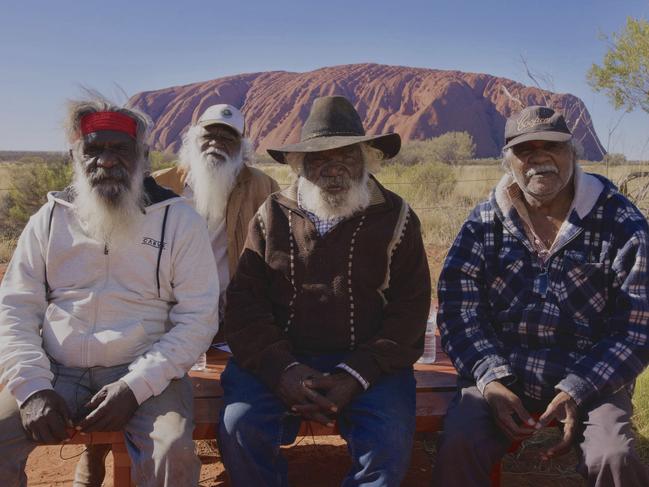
(578, 323)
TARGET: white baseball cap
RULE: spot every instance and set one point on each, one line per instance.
(223, 114)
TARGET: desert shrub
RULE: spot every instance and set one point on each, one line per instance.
(28, 189)
(614, 159)
(449, 148)
(7, 247)
(162, 160)
(420, 185)
(281, 173)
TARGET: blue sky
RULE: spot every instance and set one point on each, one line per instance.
(48, 49)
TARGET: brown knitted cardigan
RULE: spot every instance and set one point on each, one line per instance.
(358, 289)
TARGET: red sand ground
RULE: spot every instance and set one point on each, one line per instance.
(322, 464)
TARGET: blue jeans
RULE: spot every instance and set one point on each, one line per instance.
(378, 425)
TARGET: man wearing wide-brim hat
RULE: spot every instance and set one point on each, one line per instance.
(327, 310)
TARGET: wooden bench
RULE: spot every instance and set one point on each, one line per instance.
(436, 385)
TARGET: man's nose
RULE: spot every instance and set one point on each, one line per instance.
(107, 161)
(539, 156)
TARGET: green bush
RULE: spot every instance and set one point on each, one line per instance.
(420, 185)
(30, 183)
(162, 160)
(614, 159)
(449, 148)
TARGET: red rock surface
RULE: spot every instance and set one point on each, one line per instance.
(417, 103)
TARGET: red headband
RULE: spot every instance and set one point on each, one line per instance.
(118, 122)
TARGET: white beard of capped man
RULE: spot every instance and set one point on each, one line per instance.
(212, 174)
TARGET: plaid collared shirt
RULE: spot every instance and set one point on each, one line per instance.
(577, 322)
(322, 226)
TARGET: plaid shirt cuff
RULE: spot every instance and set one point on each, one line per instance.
(354, 374)
(579, 389)
(503, 371)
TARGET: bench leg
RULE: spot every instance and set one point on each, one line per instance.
(121, 466)
(496, 475)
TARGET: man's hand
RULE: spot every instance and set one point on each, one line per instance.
(112, 407)
(45, 416)
(563, 408)
(339, 388)
(293, 391)
(505, 405)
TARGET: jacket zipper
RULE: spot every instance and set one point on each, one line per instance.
(96, 307)
(543, 277)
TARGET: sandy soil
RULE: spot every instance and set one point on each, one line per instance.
(320, 462)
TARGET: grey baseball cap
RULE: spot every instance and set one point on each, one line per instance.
(536, 123)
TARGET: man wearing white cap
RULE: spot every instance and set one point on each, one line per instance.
(213, 173)
(214, 176)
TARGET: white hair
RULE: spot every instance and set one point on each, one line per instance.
(109, 221)
(76, 109)
(109, 214)
(211, 180)
(327, 205)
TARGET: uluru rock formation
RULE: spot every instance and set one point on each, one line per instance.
(417, 103)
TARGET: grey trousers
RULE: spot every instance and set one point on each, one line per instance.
(472, 443)
(158, 436)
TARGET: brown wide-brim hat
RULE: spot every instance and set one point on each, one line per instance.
(333, 123)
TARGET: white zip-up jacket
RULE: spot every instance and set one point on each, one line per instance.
(68, 297)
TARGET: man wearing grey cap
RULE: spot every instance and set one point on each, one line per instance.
(544, 310)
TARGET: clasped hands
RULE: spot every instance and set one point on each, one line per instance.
(518, 424)
(314, 395)
(45, 415)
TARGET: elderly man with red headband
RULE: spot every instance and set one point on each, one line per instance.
(109, 299)
(214, 176)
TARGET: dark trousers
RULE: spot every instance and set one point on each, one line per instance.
(472, 443)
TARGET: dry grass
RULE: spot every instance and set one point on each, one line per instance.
(641, 416)
(5, 177)
(7, 246)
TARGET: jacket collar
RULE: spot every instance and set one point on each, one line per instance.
(589, 189)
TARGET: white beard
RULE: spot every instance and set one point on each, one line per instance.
(327, 206)
(211, 180)
(112, 223)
